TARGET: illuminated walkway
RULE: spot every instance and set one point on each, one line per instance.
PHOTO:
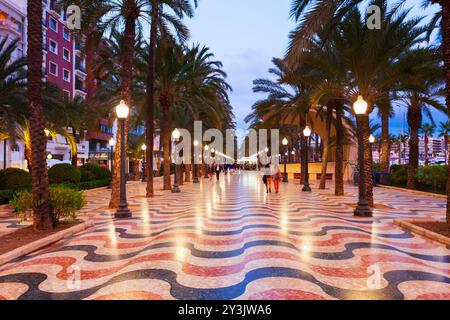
(229, 240)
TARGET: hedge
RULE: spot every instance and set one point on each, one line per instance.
(14, 179)
(63, 173)
(99, 173)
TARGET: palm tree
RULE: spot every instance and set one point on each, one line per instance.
(160, 22)
(444, 132)
(373, 76)
(444, 18)
(12, 89)
(428, 131)
(401, 140)
(40, 187)
(189, 79)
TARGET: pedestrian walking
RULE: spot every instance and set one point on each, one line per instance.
(277, 179)
(267, 179)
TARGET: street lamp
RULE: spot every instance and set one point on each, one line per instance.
(144, 163)
(206, 163)
(194, 169)
(363, 209)
(176, 137)
(285, 143)
(306, 188)
(112, 144)
(123, 211)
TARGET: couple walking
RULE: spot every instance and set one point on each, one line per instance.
(272, 174)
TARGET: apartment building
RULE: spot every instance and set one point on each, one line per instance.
(12, 27)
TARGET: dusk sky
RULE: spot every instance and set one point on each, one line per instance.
(246, 34)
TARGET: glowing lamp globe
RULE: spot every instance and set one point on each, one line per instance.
(285, 142)
(360, 106)
(307, 132)
(144, 147)
(122, 110)
(371, 138)
(112, 142)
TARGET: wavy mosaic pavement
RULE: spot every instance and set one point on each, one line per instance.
(229, 240)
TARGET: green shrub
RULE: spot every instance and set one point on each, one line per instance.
(86, 175)
(98, 172)
(399, 175)
(433, 178)
(88, 185)
(6, 196)
(13, 179)
(63, 173)
(65, 202)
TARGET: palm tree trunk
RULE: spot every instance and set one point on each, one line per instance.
(151, 97)
(368, 161)
(326, 149)
(339, 165)
(165, 105)
(446, 50)
(414, 123)
(399, 150)
(385, 142)
(303, 148)
(126, 74)
(43, 219)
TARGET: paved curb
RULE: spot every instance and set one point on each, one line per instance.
(440, 196)
(41, 243)
(408, 224)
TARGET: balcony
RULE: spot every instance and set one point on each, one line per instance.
(10, 28)
(80, 68)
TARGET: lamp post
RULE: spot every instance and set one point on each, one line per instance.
(194, 168)
(206, 162)
(112, 144)
(144, 163)
(306, 188)
(362, 209)
(176, 137)
(123, 211)
(286, 153)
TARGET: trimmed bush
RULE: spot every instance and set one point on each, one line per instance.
(64, 173)
(88, 185)
(86, 175)
(65, 202)
(433, 178)
(399, 175)
(13, 179)
(98, 172)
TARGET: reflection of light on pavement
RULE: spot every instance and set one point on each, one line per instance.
(145, 214)
(305, 248)
(180, 252)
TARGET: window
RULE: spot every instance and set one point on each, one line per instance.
(66, 54)
(53, 24)
(53, 68)
(66, 95)
(66, 75)
(53, 46)
(66, 34)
